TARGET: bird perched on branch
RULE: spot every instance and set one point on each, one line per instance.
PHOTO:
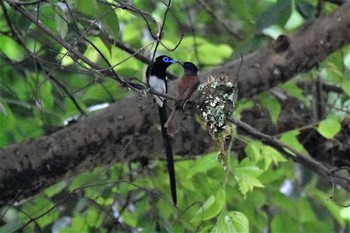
(157, 80)
(156, 77)
(187, 85)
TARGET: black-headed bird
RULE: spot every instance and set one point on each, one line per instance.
(157, 80)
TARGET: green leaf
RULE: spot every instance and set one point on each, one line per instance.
(239, 222)
(333, 209)
(306, 212)
(129, 218)
(87, 7)
(345, 85)
(131, 33)
(277, 13)
(271, 155)
(139, 18)
(284, 203)
(38, 206)
(270, 102)
(55, 189)
(291, 88)
(103, 13)
(46, 95)
(78, 224)
(100, 92)
(11, 49)
(329, 127)
(61, 22)
(345, 213)
(214, 53)
(93, 217)
(109, 20)
(211, 53)
(12, 224)
(253, 150)
(49, 17)
(291, 139)
(104, 201)
(305, 9)
(337, 76)
(211, 208)
(233, 222)
(284, 223)
(240, 106)
(257, 151)
(317, 226)
(202, 165)
(246, 175)
(295, 20)
(82, 180)
(70, 108)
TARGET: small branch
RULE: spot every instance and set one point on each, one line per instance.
(160, 35)
(71, 49)
(309, 162)
(133, 52)
(28, 2)
(70, 96)
(307, 85)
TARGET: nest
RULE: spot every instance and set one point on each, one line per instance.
(216, 101)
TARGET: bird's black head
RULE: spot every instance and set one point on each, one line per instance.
(190, 68)
(165, 60)
(160, 65)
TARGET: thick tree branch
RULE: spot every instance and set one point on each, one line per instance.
(128, 129)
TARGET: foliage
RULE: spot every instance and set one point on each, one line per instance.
(43, 86)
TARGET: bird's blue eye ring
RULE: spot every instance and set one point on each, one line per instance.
(165, 59)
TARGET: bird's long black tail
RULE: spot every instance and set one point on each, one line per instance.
(168, 151)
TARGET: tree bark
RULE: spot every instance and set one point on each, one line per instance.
(128, 129)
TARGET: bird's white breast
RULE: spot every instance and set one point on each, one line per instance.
(158, 85)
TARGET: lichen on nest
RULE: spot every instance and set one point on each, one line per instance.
(216, 100)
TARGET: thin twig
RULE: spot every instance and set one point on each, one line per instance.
(70, 96)
(293, 154)
(160, 35)
(71, 49)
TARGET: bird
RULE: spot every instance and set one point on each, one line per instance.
(157, 80)
(186, 87)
